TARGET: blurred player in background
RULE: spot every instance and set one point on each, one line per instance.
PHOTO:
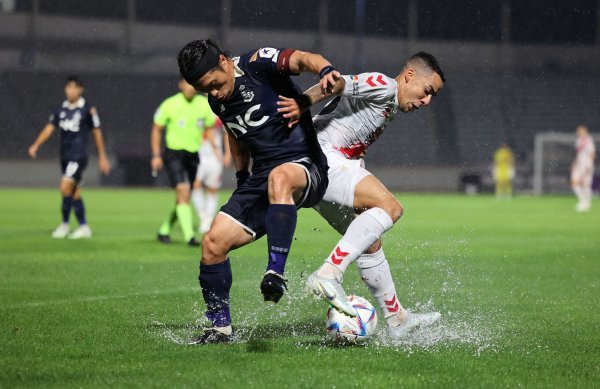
(503, 171)
(76, 119)
(582, 169)
(214, 155)
(185, 116)
(356, 203)
(289, 169)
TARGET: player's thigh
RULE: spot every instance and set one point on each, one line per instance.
(370, 193)
(344, 174)
(287, 182)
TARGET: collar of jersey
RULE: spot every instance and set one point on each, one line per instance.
(236, 69)
(78, 104)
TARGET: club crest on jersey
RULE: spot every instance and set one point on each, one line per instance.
(247, 94)
(222, 108)
(70, 124)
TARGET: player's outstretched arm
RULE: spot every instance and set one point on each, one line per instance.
(303, 61)
(40, 140)
(293, 108)
(102, 160)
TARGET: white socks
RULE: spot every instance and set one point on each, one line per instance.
(364, 230)
(206, 205)
(212, 200)
(374, 270)
(198, 200)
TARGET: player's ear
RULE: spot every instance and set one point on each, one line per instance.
(408, 74)
(222, 62)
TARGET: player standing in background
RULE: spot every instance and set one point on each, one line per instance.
(356, 203)
(76, 118)
(185, 116)
(289, 169)
(214, 155)
(503, 171)
(582, 169)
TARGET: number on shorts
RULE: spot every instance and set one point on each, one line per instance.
(72, 167)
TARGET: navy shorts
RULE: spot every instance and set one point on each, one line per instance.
(249, 202)
(73, 169)
(181, 166)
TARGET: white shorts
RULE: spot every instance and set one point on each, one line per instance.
(582, 175)
(210, 173)
(337, 205)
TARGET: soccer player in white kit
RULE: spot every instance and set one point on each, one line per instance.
(582, 169)
(214, 155)
(356, 203)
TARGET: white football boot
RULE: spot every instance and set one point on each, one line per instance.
(83, 232)
(330, 290)
(413, 321)
(61, 231)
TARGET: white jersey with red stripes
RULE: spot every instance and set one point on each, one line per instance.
(354, 120)
(585, 151)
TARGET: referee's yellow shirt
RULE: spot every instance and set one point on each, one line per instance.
(184, 121)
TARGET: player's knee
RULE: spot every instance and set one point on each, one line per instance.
(279, 186)
(183, 194)
(278, 178)
(212, 251)
(394, 209)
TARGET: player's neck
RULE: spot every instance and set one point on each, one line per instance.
(398, 93)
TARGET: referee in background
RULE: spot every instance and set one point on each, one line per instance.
(185, 116)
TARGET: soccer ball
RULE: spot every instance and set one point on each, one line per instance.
(352, 329)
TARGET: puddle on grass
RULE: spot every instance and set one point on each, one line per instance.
(257, 325)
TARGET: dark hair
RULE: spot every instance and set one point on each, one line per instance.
(197, 58)
(75, 79)
(429, 61)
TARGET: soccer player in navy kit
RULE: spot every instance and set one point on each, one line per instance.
(76, 119)
(289, 170)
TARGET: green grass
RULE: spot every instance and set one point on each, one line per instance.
(516, 282)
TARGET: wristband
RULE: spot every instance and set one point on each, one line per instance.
(326, 70)
(155, 155)
(241, 176)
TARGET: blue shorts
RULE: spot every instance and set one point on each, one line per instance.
(73, 169)
(249, 202)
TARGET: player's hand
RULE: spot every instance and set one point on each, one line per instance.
(156, 163)
(32, 151)
(104, 166)
(328, 81)
(290, 109)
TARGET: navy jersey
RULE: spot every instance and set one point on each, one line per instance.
(75, 122)
(251, 114)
